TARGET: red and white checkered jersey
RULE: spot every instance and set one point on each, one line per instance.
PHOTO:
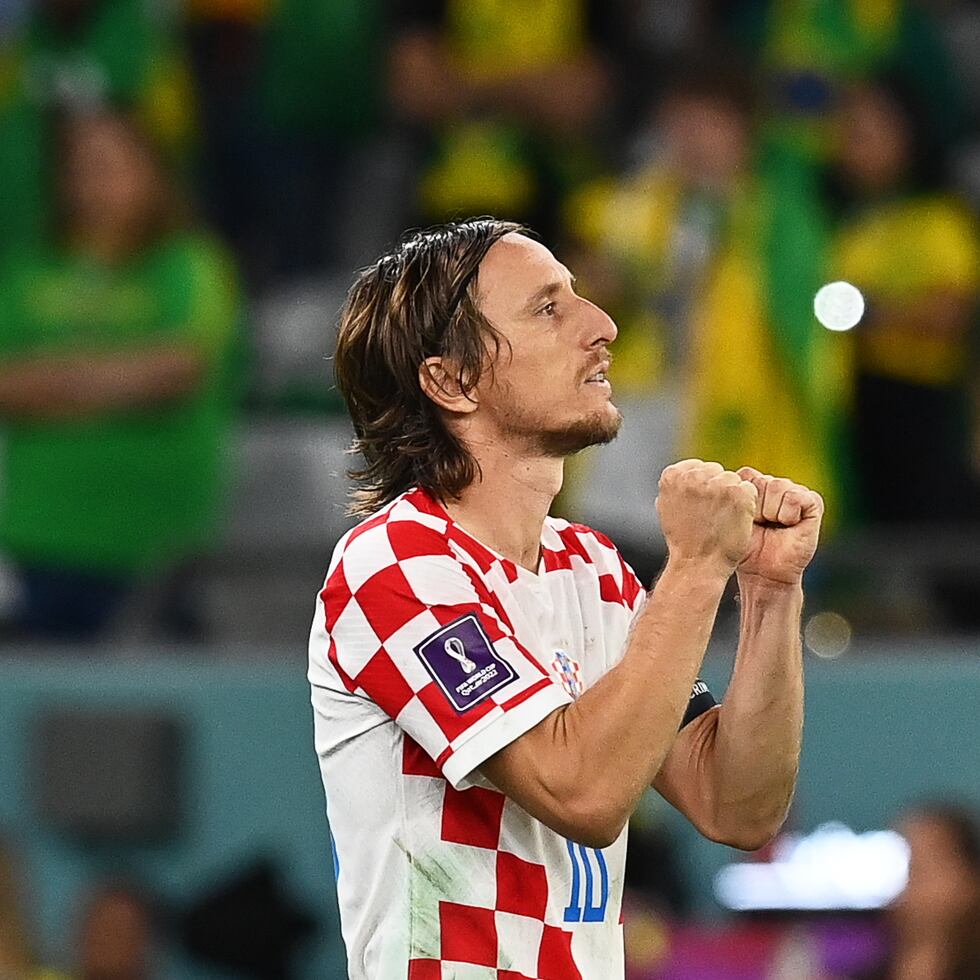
(429, 653)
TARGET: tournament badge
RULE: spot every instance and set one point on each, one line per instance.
(569, 673)
(464, 663)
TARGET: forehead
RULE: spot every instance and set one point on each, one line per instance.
(513, 269)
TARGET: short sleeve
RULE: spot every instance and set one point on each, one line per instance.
(414, 628)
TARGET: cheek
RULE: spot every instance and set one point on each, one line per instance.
(531, 373)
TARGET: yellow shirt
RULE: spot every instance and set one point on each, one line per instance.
(902, 252)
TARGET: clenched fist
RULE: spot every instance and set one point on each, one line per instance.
(707, 513)
(786, 531)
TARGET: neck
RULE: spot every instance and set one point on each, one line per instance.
(505, 508)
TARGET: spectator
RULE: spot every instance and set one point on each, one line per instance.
(115, 394)
(935, 923)
(507, 99)
(80, 53)
(809, 51)
(912, 247)
(715, 252)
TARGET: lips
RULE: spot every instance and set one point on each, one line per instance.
(598, 375)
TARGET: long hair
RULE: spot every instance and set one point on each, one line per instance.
(416, 302)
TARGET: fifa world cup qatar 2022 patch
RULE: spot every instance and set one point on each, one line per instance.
(463, 662)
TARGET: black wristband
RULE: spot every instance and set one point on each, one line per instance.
(701, 701)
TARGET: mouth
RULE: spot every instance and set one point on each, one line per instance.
(598, 377)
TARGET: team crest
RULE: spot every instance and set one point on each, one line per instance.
(569, 673)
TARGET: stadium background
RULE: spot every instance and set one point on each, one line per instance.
(702, 167)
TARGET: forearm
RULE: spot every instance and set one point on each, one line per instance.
(753, 754)
(50, 387)
(587, 765)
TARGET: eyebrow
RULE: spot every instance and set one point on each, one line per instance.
(549, 290)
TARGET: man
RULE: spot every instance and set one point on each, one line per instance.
(492, 690)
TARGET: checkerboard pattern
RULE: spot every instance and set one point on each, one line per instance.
(398, 580)
(501, 928)
(486, 885)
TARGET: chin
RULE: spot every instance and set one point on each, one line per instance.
(595, 429)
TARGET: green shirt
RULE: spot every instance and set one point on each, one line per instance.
(129, 489)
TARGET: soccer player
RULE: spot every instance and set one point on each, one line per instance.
(493, 689)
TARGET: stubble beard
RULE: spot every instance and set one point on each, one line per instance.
(596, 429)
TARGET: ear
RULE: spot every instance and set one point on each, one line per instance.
(442, 385)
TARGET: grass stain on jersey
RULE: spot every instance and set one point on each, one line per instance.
(431, 880)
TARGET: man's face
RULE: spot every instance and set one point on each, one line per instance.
(547, 393)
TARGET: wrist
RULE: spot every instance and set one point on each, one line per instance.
(755, 583)
(701, 569)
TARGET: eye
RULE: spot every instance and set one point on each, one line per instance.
(548, 310)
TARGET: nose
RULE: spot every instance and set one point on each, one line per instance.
(601, 329)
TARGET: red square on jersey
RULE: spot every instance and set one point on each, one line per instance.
(451, 723)
(409, 540)
(522, 887)
(416, 761)
(609, 591)
(468, 934)
(555, 956)
(384, 684)
(472, 817)
(388, 601)
(424, 970)
(336, 594)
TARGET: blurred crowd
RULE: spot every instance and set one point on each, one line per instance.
(172, 170)
(929, 932)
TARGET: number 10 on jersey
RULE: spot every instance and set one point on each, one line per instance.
(589, 875)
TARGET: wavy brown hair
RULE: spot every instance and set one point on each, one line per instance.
(416, 302)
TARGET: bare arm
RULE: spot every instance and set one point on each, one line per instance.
(582, 770)
(732, 771)
(57, 386)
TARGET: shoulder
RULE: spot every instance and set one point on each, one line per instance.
(944, 210)
(408, 519)
(567, 544)
(27, 280)
(945, 239)
(28, 261)
(408, 537)
(394, 565)
(195, 255)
